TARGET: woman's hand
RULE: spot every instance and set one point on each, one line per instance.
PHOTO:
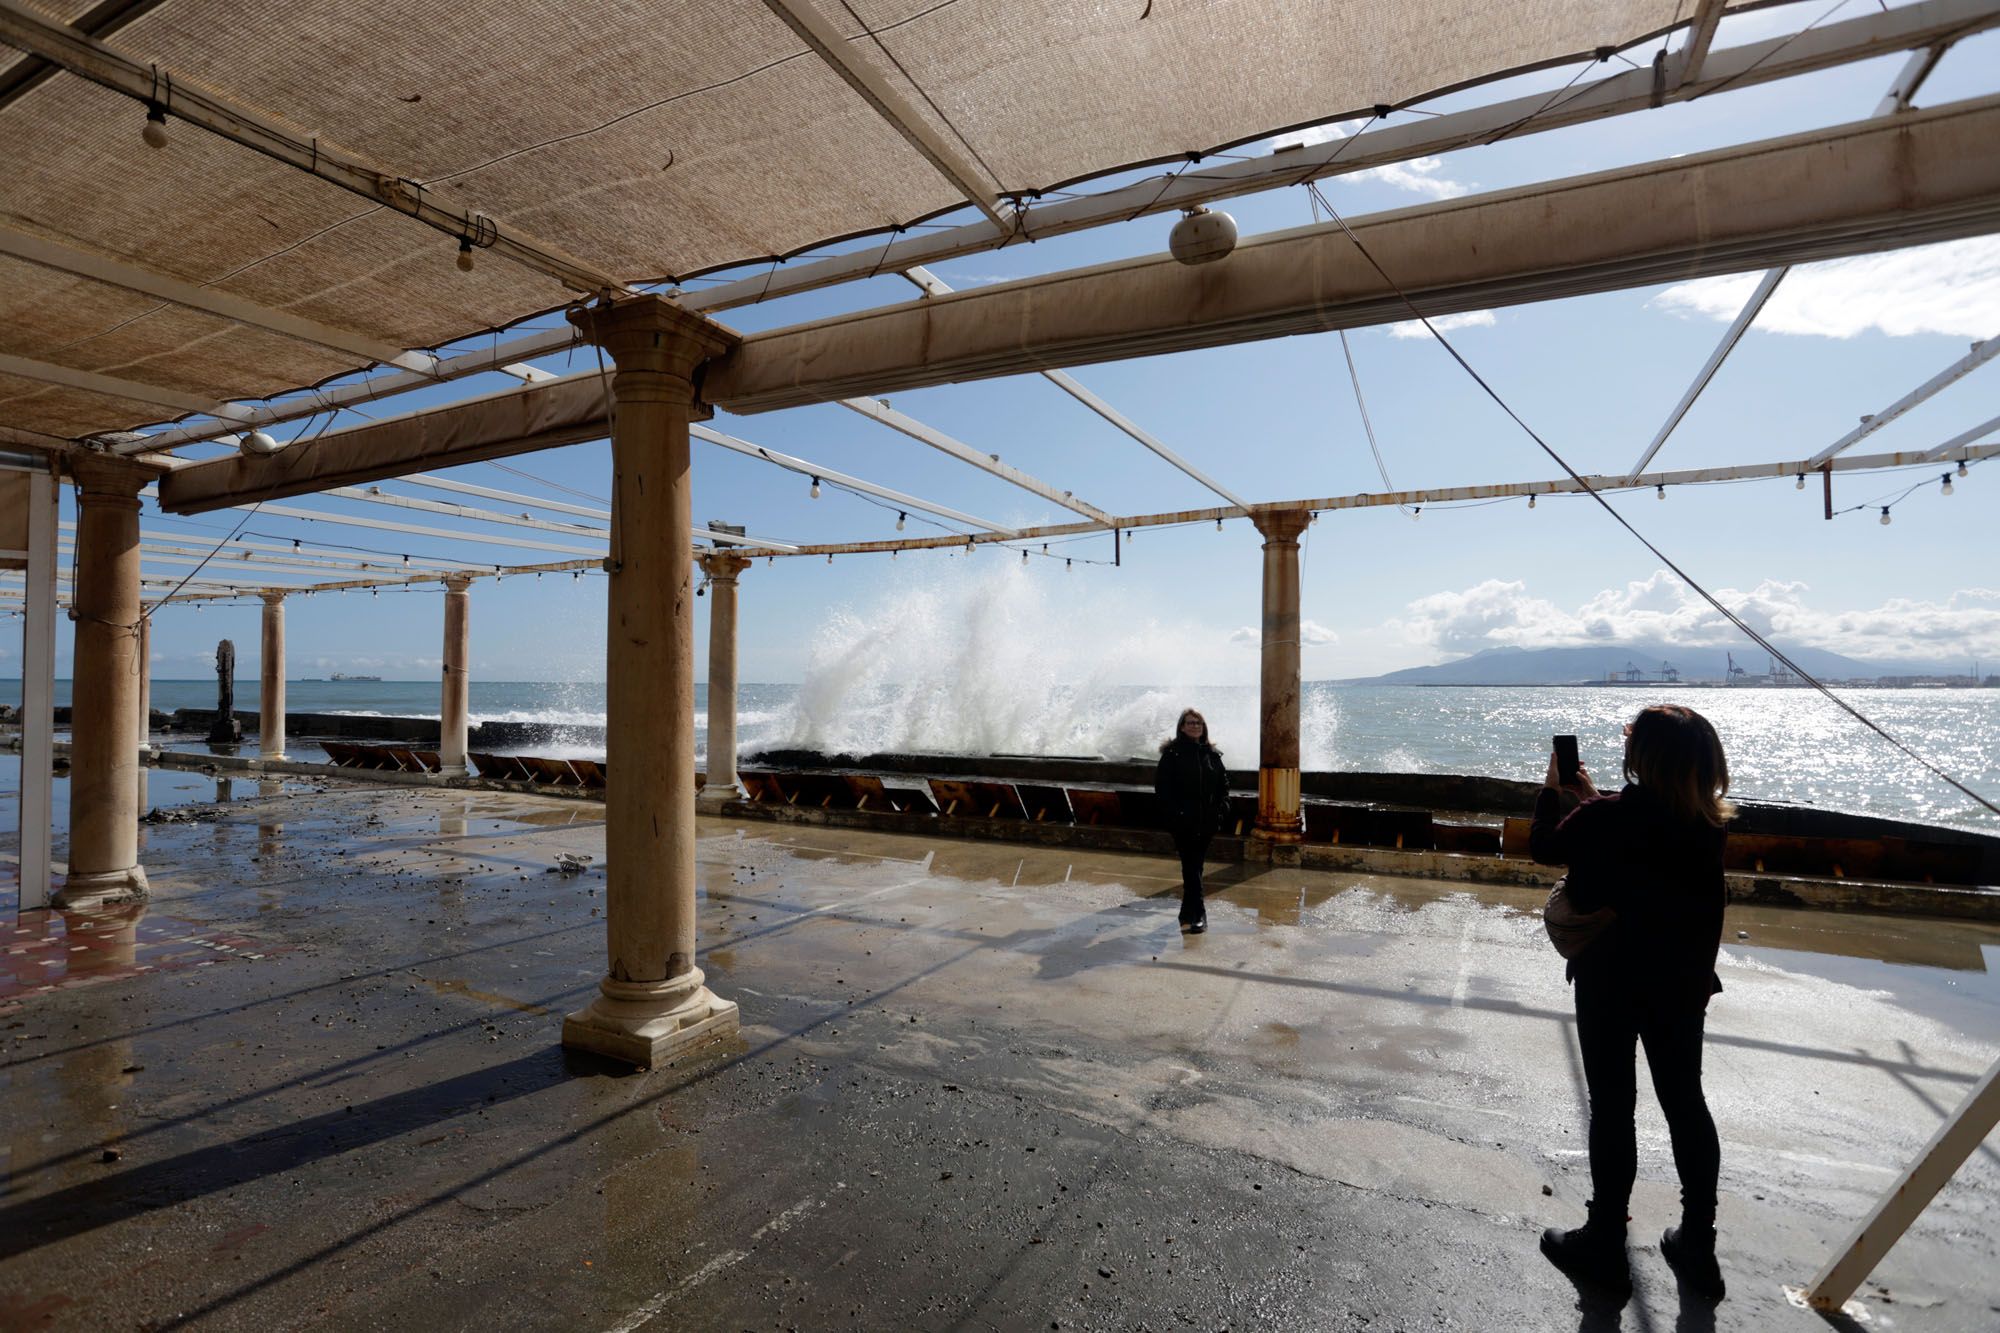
(1554, 780)
(1582, 786)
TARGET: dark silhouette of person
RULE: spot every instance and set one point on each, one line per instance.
(1652, 853)
(1194, 799)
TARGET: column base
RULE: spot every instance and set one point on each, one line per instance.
(648, 1023)
(1271, 848)
(711, 800)
(96, 888)
(454, 771)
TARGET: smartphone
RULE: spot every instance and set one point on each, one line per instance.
(1566, 760)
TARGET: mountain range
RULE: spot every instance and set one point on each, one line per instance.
(1569, 666)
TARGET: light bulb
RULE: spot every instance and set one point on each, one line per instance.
(1661, 494)
(465, 256)
(829, 557)
(1801, 485)
(1416, 513)
(1885, 516)
(1218, 525)
(815, 489)
(1946, 488)
(1024, 557)
(259, 442)
(901, 519)
(1531, 502)
(1069, 566)
(1961, 467)
(154, 131)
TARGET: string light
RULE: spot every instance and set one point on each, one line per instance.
(1961, 467)
(1885, 516)
(829, 557)
(464, 255)
(1662, 493)
(814, 492)
(1218, 525)
(1024, 557)
(154, 132)
(1531, 502)
(1416, 513)
(1946, 488)
(1801, 482)
(901, 519)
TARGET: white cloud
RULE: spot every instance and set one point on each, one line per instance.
(1952, 289)
(1496, 614)
(1471, 319)
(1312, 634)
(1419, 175)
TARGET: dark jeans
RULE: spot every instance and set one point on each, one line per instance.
(1610, 1021)
(1193, 848)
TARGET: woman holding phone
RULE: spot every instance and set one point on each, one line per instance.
(1652, 853)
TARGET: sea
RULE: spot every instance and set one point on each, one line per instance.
(1783, 744)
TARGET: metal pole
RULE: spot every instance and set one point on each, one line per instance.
(38, 671)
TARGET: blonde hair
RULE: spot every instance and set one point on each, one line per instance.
(1673, 753)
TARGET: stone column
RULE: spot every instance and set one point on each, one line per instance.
(457, 680)
(271, 679)
(104, 761)
(1278, 819)
(652, 1001)
(722, 570)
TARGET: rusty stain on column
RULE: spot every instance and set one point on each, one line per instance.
(1278, 704)
(652, 1001)
(722, 571)
(457, 700)
(271, 679)
(104, 759)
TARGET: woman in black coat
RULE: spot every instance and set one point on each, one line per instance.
(1194, 799)
(1652, 853)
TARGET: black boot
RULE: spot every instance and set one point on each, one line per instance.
(1690, 1252)
(1594, 1252)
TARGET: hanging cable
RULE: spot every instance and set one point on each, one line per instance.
(1621, 520)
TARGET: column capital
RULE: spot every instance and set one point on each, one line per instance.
(651, 335)
(107, 477)
(722, 565)
(272, 597)
(457, 582)
(1281, 525)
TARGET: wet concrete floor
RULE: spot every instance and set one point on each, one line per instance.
(315, 1083)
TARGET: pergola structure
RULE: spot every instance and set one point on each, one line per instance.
(340, 205)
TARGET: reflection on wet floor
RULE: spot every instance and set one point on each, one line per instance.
(51, 949)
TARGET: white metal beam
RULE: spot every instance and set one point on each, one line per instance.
(511, 497)
(376, 495)
(1908, 79)
(110, 385)
(933, 285)
(1981, 353)
(808, 469)
(1957, 442)
(1371, 500)
(887, 102)
(98, 268)
(445, 534)
(1911, 26)
(28, 29)
(1694, 52)
(965, 453)
(38, 671)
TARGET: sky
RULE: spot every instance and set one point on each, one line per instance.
(1278, 419)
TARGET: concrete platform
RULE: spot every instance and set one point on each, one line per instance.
(315, 1083)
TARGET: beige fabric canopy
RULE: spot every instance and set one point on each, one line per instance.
(648, 141)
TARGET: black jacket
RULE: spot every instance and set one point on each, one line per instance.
(1193, 787)
(1663, 877)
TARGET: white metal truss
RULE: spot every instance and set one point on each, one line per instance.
(28, 29)
(489, 493)
(1981, 353)
(809, 469)
(876, 410)
(68, 259)
(43, 372)
(1921, 25)
(887, 102)
(1428, 496)
(1957, 442)
(376, 495)
(1901, 90)
(933, 285)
